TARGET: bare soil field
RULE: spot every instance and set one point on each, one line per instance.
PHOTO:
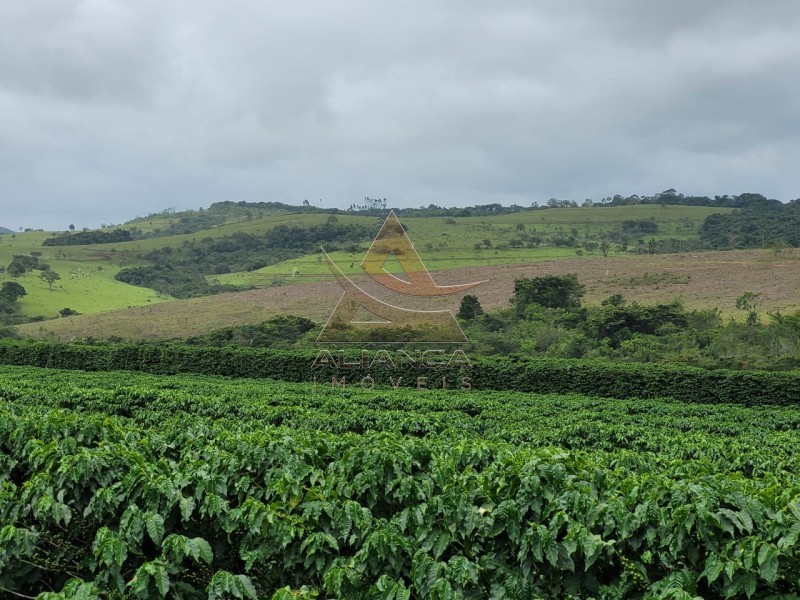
(701, 280)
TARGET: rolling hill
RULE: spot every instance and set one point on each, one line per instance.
(700, 280)
(558, 237)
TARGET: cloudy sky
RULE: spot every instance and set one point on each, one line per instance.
(112, 109)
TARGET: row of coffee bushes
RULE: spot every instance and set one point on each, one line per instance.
(616, 380)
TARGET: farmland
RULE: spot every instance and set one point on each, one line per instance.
(87, 272)
(451, 243)
(701, 280)
(192, 486)
(520, 476)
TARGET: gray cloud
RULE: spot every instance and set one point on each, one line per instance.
(112, 109)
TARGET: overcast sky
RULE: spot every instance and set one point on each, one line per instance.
(113, 109)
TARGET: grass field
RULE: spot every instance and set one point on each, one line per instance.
(87, 282)
(314, 268)
(450, 243)
(459, 238)
(703, 280)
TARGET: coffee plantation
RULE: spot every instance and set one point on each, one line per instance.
(132, 485)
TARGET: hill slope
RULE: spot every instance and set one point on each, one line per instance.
(703, 280)
(87, 282)
(88, 271)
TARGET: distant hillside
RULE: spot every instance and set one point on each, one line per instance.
(761, 223)
(169, 222)
(704, 280)
(4, 230)
(267, 247)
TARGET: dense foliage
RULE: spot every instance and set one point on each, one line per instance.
(117, 485)
(761, 223)
(615, 380)
(181, 272)
(24, 263)
(10, 293)
(672, 197)
(547, 320)
(550, 291)
(278, 332)
(178, 281)
(89, 237)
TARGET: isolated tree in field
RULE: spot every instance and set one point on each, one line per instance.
(49, 277)
(550, 291)
(470, 308)
(605, 246)
(71, 227)
(749, 302)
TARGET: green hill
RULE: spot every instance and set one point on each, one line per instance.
(452, 242)
(277, 248)
(209, 248)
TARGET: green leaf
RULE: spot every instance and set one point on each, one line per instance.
(131, 524)
(161, 578)
(155, 527)
(768, 562)
(440, 545)
(109, 548)
(714, 566)
(794, 507)
(203, 549)
(790, 538)
(224, 584)
(61, 512)
(248, 587)
(592, 545)
(749, 584)
(187, 505)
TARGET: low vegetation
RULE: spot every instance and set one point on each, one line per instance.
(548, 320)
(192, 487)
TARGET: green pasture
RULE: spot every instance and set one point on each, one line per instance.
(458, 233)
(311, 268)
(87, 282)
(450, 243)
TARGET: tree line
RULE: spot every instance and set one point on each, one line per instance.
(89, 237)
(760, 223)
